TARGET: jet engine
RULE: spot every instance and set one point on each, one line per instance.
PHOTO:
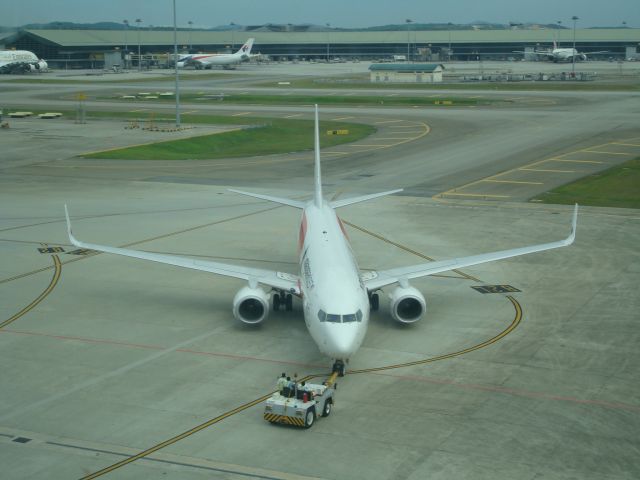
(407, 304)
(251, 305)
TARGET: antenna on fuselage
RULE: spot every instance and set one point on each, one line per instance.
(317, 199)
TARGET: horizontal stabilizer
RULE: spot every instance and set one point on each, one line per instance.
(363, 198)
(283, 201)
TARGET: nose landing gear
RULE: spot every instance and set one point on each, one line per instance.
(338, 366)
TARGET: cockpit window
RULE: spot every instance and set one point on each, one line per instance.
(322, 315)
(359, 315)
(349, 318)
(333, 318)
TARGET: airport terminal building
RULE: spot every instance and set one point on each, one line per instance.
(87, 48)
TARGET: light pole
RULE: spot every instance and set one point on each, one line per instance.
(449, 25)
(408, 21)
(573, 64)
(126, 46)
(138, 22)
(328, 40)
(190, 30)
(175, 63)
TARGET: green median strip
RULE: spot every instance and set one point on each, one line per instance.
(618, 186)
(270, 136)
(366, 100)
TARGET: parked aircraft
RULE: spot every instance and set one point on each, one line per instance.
(561, 54)
(20, 61)
(336, 296)
(226, 60)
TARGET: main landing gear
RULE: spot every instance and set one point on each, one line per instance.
(374, 301)
(338, 366)
(282, 299)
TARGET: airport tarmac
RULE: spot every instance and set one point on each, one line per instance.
(105, 357)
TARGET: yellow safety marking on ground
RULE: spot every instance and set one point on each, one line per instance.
(293, 115)
(367, 145)
(241, 113)
(511, 181)
(341, 118)
(516, 321)
(175, 439)
(139, 110)
(393, 138)
(608, 153)
(546, 170)
(190, 111)
(434, 96)
(328, 154)
(392, 95)
(403, 247)
(626, 144)
(484, 195)
(402, 126)
(388, 121)
(575, 161)
(54, 281)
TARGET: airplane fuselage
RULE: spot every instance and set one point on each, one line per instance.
(334, 297)
(13, 61)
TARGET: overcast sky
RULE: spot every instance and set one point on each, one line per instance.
(338, 13)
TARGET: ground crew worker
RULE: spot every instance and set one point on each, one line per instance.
(282, 382)
(305, 389)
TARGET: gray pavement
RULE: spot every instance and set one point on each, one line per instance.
(104, 357)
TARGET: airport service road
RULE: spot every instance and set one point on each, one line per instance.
(464, 145)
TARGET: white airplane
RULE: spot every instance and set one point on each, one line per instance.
(336, 296)
(562, 54)
(227, 60)
(20, 61)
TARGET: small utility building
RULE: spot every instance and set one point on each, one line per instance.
(406, 72)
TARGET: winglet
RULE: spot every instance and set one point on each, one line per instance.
(72, 239)
(574, 225)
(317, 199)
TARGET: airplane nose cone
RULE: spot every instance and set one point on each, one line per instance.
(343, 342)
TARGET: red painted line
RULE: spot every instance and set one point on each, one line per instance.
(158, 347)
(515, 392)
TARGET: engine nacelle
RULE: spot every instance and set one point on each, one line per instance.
(251, 305)
(407, 304)
(42, 65)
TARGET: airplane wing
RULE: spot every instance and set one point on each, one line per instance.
(279, 280)
(378, 279)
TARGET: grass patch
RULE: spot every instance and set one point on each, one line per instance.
(359, 82)
(274, 136)
(616, 187)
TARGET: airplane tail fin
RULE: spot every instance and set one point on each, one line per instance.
(555, 45)
(317, 197)
(246, 48)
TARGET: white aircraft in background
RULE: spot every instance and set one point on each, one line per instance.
(20, 61)
(561, 54)
(227, 60)
(336, 296)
